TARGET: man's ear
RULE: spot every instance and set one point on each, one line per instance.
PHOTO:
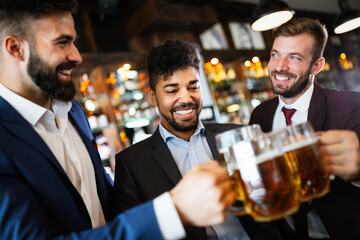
(153, 97)
(317, 66)
(15, 47)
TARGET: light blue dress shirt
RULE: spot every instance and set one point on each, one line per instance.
(196, 151)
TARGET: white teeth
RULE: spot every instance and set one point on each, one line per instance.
(184, 112)
(281, 78)
(66, 72)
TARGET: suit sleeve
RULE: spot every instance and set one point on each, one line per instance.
(24, 216)
(352, 115)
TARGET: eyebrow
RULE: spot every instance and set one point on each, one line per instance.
(66, 37)
(193, 82)
(171, 85)
(176, 84)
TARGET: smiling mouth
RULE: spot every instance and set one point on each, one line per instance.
(281, 78)
(65, 71)
(184, 112)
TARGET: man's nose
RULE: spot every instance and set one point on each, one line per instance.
(282, 65)
(74, 55)
(185, 96)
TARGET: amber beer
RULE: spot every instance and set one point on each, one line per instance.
(237, 208)
(271, 192)
(307, 158)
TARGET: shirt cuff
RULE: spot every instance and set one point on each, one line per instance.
(168, 219)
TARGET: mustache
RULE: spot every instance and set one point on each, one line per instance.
(286, 73)
(66, 65)
(184, 105)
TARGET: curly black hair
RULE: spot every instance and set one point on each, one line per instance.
(168, 57)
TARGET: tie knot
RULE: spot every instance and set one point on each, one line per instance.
(288, 114)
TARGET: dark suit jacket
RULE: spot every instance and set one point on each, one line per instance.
(147, 169)
(329, 109)
(37, 199)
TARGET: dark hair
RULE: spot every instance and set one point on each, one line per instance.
(297, 26)
(168, 57)
(16, 15)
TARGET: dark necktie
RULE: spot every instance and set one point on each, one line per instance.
(301, 225)
(288, 114)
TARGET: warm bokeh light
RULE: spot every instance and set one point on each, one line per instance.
(343, 56)
(247, 63)
(132, 111)
(123, 136)
(89, 105)
(326, 67)
(233, 108)
(214, 61)
(255, 59)
(127, 66)
(116, 95)
(121, 71)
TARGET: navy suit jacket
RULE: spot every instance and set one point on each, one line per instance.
(329, 109)
(37, 199)
(147, 169)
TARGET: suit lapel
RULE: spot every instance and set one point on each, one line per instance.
(163, 157)
(16, 124)
(76, 117)
(317, 113)
(210, 133)
(270, 111)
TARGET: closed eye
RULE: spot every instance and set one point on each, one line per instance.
(171, 91)
(194, 88)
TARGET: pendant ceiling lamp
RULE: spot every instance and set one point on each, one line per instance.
(348, 20)
(270, 14)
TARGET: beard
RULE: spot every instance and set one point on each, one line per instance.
(47, 80)
(293, 90)
(180, 126)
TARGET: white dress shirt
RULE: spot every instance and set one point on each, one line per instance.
(300, 116)
(65, 143)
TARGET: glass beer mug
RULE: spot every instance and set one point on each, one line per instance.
(224, 143)
(263, 179)
(302, 150)
(271, 190)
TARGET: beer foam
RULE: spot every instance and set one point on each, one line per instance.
(299, 144)
(268, 155)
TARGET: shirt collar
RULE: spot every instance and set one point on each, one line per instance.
(27, 109)
(302, 103)
(166, 135)
(31, 111)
